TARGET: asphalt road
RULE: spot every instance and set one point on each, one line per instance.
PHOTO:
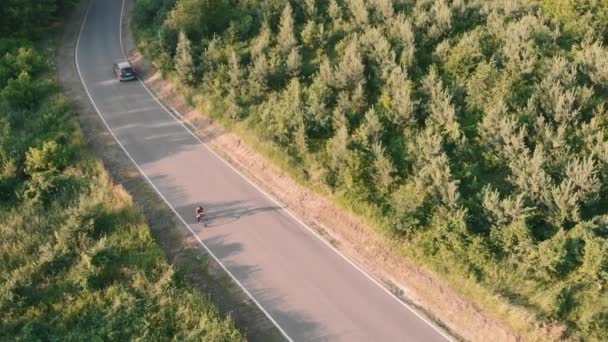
(310, 291)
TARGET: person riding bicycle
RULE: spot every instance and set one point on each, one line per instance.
(199, 213)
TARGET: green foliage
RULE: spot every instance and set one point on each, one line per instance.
(78, 260)
(21, 92)
(30, 18)
(184, 64)
(200, 17)
(476, 130)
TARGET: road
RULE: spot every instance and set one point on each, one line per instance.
(307, 289)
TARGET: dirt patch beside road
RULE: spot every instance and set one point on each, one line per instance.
(180, 247)
(364, 246)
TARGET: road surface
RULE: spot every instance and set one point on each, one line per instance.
(310, 291)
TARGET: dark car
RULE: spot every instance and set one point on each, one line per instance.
(124, 71)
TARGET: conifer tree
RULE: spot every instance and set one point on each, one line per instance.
(184, 65)
(235, 74)
(383, 168)
(402, 105)
(358, 11)
(401, 33)
(294, 62)
(350, 72)
(383, 8)
(442, 114)
(262, 41)
(287, 38)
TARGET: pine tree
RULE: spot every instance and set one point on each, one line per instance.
(383, 169)
(311, 8)
(184, 65)
(383, 8)
(338, 146)
(402, 104)
(503, 212)
(261, 43)
(350, 72)
(401, 33)
(301, 139)
(287, 38)
(594, 58)
(318, 95)
(335, 12)
(258, 76)
(583, 174)
(442, 18)
(371, 129)
(294, 62)
(377, 47)
(529, 176)
(358, 11)
(235, 74)
(442, 115)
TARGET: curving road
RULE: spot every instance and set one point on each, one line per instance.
(305, 287)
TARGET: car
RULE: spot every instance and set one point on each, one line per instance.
(124, 71)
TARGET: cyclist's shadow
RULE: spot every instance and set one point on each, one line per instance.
(219, 214)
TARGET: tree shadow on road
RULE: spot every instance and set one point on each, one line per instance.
(297, 324)
(218, 214)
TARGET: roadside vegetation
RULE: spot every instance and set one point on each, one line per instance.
(474, 133)
(77, 260)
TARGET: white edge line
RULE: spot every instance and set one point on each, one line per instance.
(152, 184)
(270, 197)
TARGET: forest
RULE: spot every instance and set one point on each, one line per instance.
(473, 132)
(77, 259)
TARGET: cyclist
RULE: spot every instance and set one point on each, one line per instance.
(199, 213)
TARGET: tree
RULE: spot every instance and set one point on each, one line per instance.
(184, 65)
(383, 169)
(335, 12)
(358, 11)
(371, 129)
(594, 58)
(464, 58)
(301, 139)
(383, 8)
(258, 76)
(235, 74)
(338, 146)
(503, 212)
(261, 43)
(311, 8)
(21, 93)
(402, 105)
(529, 176)
(313, 35)
(283, 114)
(200, 18)
(350, 72)
(401, 33)
(442, 115)
(483, 90)
(294, 62)
(442, 18)
(28, 18)
(379, 50)
(287, 38)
